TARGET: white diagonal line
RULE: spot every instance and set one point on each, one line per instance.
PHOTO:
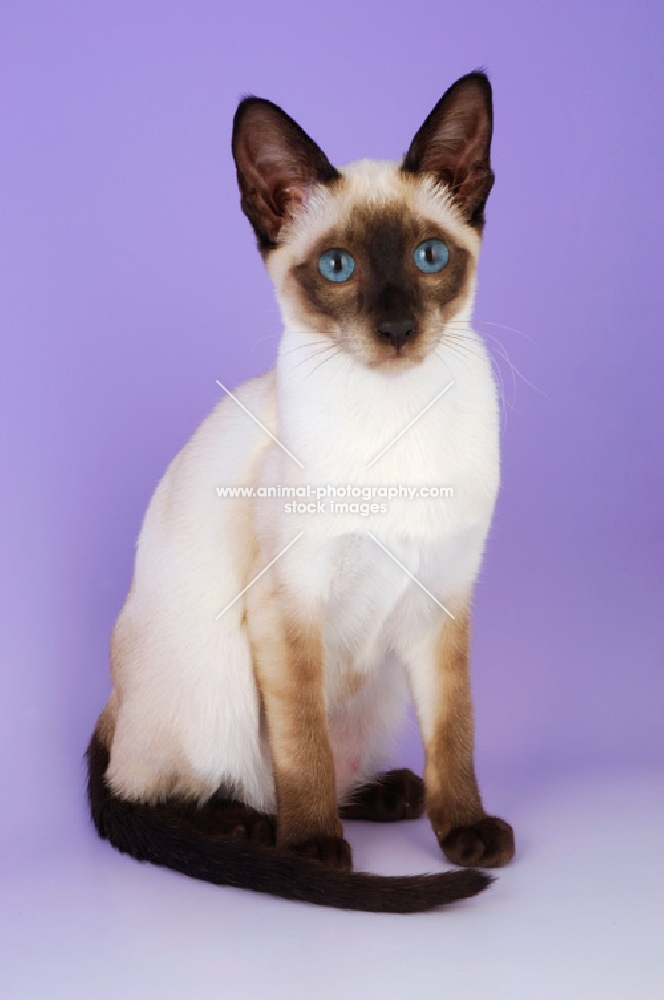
(276, 440)
(258, 576)
(413, 578)
(420, 414)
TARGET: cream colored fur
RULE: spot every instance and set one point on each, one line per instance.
(185, 716)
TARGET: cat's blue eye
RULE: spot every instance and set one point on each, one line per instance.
(336, 265)
(431, 256)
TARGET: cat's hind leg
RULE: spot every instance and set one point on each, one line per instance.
(220, 817)
(391, 796)
(363, 734)
(226, 817)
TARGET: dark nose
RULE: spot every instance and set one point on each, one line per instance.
(396, 331)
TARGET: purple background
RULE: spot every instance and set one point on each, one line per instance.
(130, 283)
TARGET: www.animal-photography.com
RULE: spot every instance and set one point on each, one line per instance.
(333, 492)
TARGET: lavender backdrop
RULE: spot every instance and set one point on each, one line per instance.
(130, 283)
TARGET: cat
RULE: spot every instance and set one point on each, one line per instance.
(267, 651)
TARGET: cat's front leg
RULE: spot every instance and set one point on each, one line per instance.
(287, 653)
(438, 670)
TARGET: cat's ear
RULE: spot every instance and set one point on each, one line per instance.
(277, 164)
(454, 144)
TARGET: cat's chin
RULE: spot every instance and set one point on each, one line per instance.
(395, 364)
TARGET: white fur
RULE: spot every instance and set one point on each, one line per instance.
(185, 713)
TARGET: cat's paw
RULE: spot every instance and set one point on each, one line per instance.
(488, 843)
(392, 796)
(334, 852)
(259, 828)
(227, 818)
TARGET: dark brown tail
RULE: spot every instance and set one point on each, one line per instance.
(165, 837)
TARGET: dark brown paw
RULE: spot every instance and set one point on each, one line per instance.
(259, 828)
(334, 852)
(488, 843)
(392, 796)
(234, 819)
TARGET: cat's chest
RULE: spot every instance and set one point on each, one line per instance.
(375, 592)
(401, 477)
(417, 455)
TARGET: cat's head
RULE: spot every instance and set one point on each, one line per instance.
(378, 257)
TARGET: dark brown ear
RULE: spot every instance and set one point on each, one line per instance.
(276, 164)
(454, 144)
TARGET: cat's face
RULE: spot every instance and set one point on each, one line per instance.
(379, 264)
(378, 258)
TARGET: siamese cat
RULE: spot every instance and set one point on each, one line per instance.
(267, 651)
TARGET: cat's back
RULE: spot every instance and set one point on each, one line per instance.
(193, 549)
(183, 690)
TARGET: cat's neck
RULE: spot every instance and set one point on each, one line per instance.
(328, 402)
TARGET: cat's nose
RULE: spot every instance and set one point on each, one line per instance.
(396, 331)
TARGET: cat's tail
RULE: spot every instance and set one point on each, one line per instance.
(165, 837)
